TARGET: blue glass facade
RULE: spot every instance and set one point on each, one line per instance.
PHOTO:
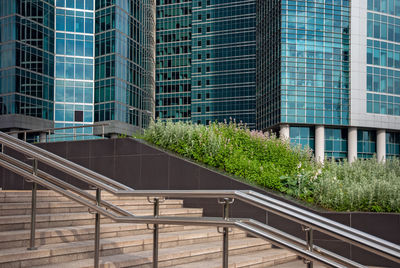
(336, 143)
(392, 144)
(26, 59)
(74, 64)
(303, 74)
(174, 58)
(223, 61)
(206, 60)
(124, 63)
(383, 57)
(315, 44)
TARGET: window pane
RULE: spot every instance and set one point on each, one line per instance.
(79, 4)
(60, 23)
(78, 71)
(88, 49)
(60, 46)
(70, 47)
(70, 23)
(89, 26)
(70, 3)
(79, 48)
(79, 26)
(89, 4)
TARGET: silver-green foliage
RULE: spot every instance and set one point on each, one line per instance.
(365, 185)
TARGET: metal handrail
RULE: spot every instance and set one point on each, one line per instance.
(49, 131)
(368, 242)
(53, 160)
(46, 130)
(243, 224)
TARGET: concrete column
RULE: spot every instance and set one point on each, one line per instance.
(320, 143)
(352, 144)
(284, 132)
(42, 137)
(381, 145)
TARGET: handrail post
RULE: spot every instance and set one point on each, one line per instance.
(25, 136)
(97, 231)
(33, 208)
(225, 244)
(310, 244)
(74, 133)
(156, 232)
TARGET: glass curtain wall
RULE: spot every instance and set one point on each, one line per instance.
(223, 61)
(173, 55)
(26, 54)
(125, 61)
(74, 66)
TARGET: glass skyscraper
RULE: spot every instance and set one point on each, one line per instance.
(206, 60)
(27, 39)
(125, 64)
(326, 75)
(74, 62)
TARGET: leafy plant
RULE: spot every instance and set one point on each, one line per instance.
(264, 160)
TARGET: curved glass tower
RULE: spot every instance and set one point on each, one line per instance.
(26, 64)
(74, 62)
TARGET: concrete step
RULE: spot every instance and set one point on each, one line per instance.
(66, 252)
(173, 256)
(9, 196)
(7, 209)
(265, 258)
(20, 238)
(18, 222)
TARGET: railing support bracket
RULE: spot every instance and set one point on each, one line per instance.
(310, 244)
(33, 208)
(225, 244)
(97, 231)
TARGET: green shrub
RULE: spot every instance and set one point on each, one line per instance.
(258, 157)
(262, 159)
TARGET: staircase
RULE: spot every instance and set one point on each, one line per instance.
(65, 233)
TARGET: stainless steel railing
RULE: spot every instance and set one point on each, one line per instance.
(47, 132)
(304, 248)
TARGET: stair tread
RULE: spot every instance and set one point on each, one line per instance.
(84, 215)
(106, 243)
(56, 204)
(74, 230)
(165, 254)
(269, 255)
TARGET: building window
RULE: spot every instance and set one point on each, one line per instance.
(78, 116)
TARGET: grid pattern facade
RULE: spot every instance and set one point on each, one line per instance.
(268, 76)
(315, 62)
(336, 143)
(124, 61)
(26, 57)
(383, 57)
(366, 143)
(74, 64)
(173, 59)
(305, 136)
(392, 144)
(223, 61)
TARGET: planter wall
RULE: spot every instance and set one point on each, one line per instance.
(141, 166)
